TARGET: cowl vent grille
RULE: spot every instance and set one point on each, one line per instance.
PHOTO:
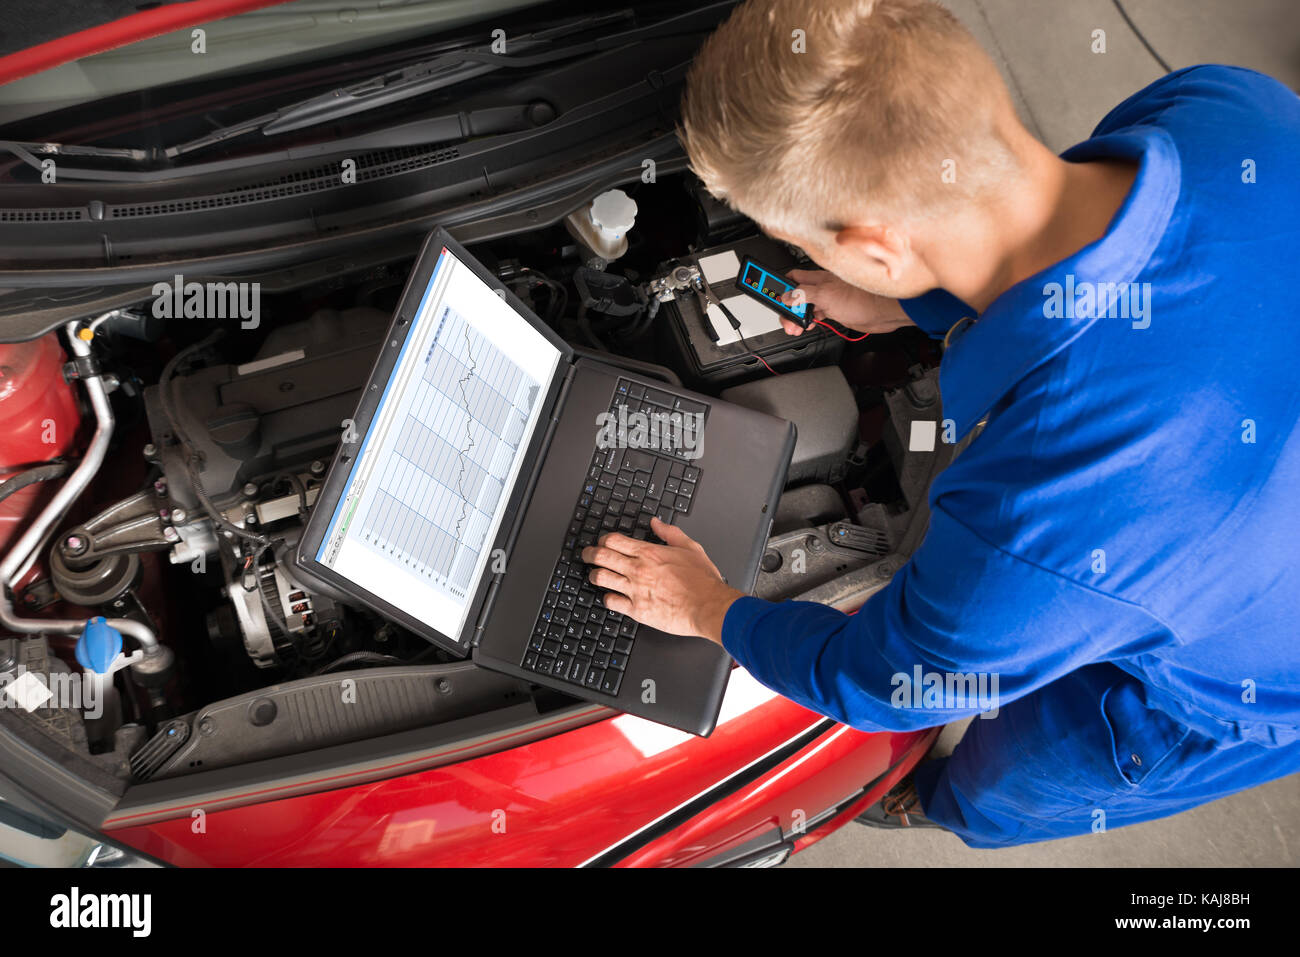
(41, 215)
(370, 166)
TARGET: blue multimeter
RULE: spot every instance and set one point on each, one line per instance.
(768, 287)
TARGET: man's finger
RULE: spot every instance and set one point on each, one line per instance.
(604, 578)
(791, 328)
(613, 601)
(621, 543)
(608, 558)
(671, 534)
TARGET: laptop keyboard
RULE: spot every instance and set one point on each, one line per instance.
(576, 638)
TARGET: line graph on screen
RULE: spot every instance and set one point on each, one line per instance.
(441, 481)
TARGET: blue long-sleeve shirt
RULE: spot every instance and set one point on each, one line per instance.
(1135, 495)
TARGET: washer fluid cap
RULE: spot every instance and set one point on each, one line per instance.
(99, 645)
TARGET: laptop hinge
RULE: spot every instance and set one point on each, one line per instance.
(508, 548)
(489, 600)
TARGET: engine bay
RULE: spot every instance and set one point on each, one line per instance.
(179, 524)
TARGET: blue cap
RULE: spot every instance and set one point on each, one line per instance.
(99, 645)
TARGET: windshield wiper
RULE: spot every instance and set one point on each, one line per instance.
(439, 72)
(430, 131)
(426, 76)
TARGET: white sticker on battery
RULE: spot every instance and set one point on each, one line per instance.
(755, 319)
(720, 267)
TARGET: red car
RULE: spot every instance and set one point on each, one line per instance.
(219, 202)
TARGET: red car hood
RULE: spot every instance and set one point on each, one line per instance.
(40, 34)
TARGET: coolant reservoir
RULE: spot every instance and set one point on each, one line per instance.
(602, 225)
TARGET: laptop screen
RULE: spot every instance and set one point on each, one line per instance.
(429, 486)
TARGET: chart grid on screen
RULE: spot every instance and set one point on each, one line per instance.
(441, 481)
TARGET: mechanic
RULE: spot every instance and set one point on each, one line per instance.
(1118, 545)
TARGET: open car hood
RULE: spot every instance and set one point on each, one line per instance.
(41, 34)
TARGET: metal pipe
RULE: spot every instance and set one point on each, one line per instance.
(55, 510)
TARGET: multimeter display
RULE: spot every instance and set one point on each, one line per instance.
(768, 287)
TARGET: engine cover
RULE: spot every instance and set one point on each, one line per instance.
(281, 409)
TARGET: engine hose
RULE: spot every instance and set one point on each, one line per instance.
(157, 656)
(584, 323)
(640, 326)
(214, 513)
(40, 473)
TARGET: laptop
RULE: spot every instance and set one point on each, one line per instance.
(486, 454)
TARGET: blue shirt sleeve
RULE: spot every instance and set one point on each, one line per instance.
(960, 606)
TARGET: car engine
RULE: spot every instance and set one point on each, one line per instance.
(175, 522)
(264, 431)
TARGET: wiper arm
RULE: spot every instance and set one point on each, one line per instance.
(359, 98)
(452, 127)
(448, 70)
(427, 76)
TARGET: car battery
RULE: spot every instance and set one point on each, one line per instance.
(708, 352)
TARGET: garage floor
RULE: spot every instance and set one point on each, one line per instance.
(1256, 828)
(1044, 48)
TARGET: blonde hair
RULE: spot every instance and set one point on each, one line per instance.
(867, 118)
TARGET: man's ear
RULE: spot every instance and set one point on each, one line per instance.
(885, 245)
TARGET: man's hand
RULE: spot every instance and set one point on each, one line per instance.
(851, 307)
(671, 587)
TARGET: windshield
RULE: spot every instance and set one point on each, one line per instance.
(272, 162)
(297, 32)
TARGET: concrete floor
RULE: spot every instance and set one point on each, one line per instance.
(1255, 828)
(1062, 90)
